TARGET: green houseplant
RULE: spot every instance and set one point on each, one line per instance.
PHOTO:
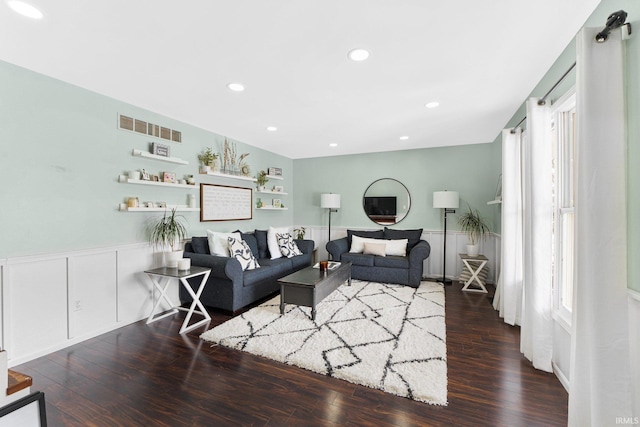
(168, 232)
(208, 159)
(472, 223)
(261, 180)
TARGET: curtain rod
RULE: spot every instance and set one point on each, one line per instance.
(615, 20)
(543, 100)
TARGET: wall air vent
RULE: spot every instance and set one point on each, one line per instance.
(150, 129)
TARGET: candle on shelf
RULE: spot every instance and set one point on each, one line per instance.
(184, 264)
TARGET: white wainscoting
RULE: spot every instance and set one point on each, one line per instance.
(456, 244)
(54, 301)
(634, 346)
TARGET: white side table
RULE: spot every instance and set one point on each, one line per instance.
(161, 278)
(474, 268)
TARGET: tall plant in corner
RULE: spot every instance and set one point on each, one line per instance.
(472, 223)
(169, 231)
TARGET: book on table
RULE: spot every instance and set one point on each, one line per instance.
(331, 266)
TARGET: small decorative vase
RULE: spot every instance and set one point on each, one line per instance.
(172, 257)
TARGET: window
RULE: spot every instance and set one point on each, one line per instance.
(564, 131)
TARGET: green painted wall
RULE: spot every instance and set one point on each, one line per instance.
(562, 64)
(60, 157)
(468, 169)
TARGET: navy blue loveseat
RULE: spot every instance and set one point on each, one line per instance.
(403, 270)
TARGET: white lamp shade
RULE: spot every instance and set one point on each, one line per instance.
(330, 201)
(446, 199)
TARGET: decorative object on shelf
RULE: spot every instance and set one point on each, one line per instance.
(243, 166)
(278, 188)
(155, 178)
(134, 174)
(261, 180)
(162, 205)
(169, 177)
(230, 164)
(259, 203)
(168, 232)
(208, 159)
(191, 201)
(160, 149)
(190, 180)
(448, 201)
(133, 202)
(145, 175)
(275, 171)
(150, 205)
(332, 202)
(277, 203)
(472, 223)
(300, 232)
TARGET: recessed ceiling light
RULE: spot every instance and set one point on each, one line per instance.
(404, 138)
(333, 144)
(433, 104)
(272, 128)
(358, 54)
(236, 87)
(25, 9)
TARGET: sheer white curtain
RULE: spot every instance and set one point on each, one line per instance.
(536, 336)
(600, 380)
(508, 296)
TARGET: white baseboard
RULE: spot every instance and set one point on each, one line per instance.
(563, 379)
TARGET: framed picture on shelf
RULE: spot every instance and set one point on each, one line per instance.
(145, 175)
(275, 172)
(278, 188)
(276, 203)
(160, 149)
(155, 178)
(169, 177)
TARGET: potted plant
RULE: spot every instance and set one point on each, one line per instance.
(208, 159)
(168, 232)
(300, 232)
(472, 223)
(262, 180)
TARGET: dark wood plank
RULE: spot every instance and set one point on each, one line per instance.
(148, 375)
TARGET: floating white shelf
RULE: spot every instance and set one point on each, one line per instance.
(141, 153)
(179, 208)
(272, 208)
(495, 202)
(271, 192)
(161, 184)
(224, 175)
(274, 177)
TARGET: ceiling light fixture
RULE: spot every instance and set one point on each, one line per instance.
(358, 54)
(25, 9)
(333, 144)
(433, 104)
(272, 128)
(404, 138)
(236, 87)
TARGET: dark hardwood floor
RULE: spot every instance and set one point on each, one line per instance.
(143, 375)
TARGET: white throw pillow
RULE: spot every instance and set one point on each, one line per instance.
(397, 247)
(288, 247)
(272, 241)
(371, 248)
(357, 243)
(218, 243)
(241, 251)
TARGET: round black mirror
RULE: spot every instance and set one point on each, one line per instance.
(386, 201)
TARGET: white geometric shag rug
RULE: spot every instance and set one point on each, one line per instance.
(384, 336)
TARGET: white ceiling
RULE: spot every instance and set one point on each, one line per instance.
(478, 59)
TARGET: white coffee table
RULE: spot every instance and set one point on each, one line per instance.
(161, 278)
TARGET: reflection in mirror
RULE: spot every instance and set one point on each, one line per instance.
(386, 201)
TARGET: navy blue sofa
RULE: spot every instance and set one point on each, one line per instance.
(229, 287)
(403, 270)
